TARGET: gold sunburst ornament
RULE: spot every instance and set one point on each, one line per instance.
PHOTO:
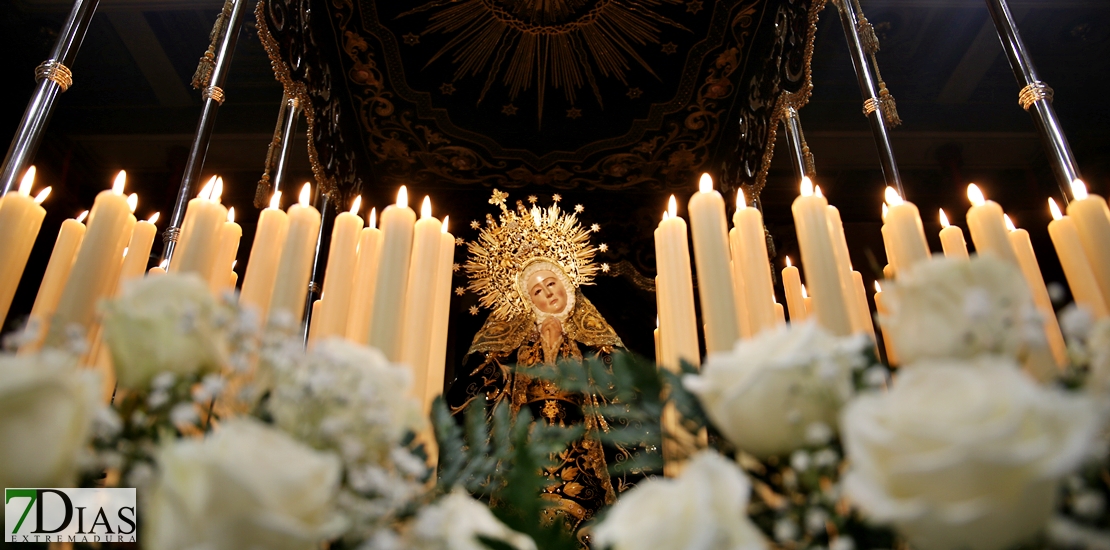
(505, 247)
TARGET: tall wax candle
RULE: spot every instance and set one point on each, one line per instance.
(844, 268)
(95, 267)
(880, 309)
(53, 280)
(811, 222)
(388, 319)
(1077, 268)
(258, 282)
(952, 239)
(1031, 269)
(362, 297)
(219, 280)
(339, 275)
(754, 266)
(20, 220)
(437, 354)
(710, 233)
(792, 286)
(673, 264)
(903, 220)
(295, 266)
(420, 298)
(987, 226)
(138, 250)
(203, 236)
(780, 314)
(192, 209)
(860, 300)
(1092, 220)
(742, 319)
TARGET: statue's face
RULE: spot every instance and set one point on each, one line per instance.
(547, 292)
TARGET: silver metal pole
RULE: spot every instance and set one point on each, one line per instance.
(213, 95)
(292, 112)
(316, 281)
(54, 77)
(870, 92)
(1035, 97)
(800, 157)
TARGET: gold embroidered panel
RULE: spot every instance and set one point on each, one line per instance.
(564, 94)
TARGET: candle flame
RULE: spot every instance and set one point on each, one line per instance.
(878, 287)
(164, 265)
(666, 216)
(373, 218)
(975, 195)
(231, 215)
(892, 197)
(81, 217)
(27, 181)
(306, 193)
(1054, 209)
(356, 204)
(804, 293)
(444, 228)
(233, 264)
(788, 264)
(42, 195)
(426, 208)
(944, 219)
(133, 201)
(125, 249)
(807, 187)
(817, 191)
(218, 189)
(154, 218)
(741, 201)
(206, 191)
(121, 181)
(402, 197)
(1009, 223)
(886, 211)
(1079, 189)
(705, 184)
(275, 200)
(656, 321)
(672, 207)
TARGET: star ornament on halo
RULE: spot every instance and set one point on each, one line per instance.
(474, 224)
(459, 241)
(605, 268)
(595, 228)
(473, 310)
(603, 247)
(459, 291)
(578, 209)
(498, 198)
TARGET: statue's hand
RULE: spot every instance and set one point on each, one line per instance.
(551, 336)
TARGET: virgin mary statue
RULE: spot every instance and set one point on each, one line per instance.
(527, 267)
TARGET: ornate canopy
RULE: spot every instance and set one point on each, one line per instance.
(564, 94)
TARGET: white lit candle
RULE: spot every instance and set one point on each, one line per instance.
(792, 287)
(231, 233)
(269, 236)
(754, 266)
(1023, 249)
(138, 250)
(202, 235)
(387, 322)
(339, 275)
(904, 221)
(54, 279)
(96, 266)
(679, 327)
(843, 266)
(20, 220)
(295, 266)
(952, 239)
(420, 298)
(710, 235)
(1092, 220)
(880, 308)
(987, 226)
(1077, 268)
(362, 297)
(811, 221)
(437, 354)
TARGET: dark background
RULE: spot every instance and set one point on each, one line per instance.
(131, 108)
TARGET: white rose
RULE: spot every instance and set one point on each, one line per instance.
(964, 455)
(455, 521)
(768, 391)
(957, 308)
(47, 406)
(346, 397)
(162, 324)
(704, 508)
(247, 486)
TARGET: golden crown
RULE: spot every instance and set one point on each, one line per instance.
(505, 246)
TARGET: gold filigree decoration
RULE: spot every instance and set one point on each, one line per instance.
(563, 44)
(505, 245)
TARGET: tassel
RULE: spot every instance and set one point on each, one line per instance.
(888, 106)
(202, 77)
(867, 37)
